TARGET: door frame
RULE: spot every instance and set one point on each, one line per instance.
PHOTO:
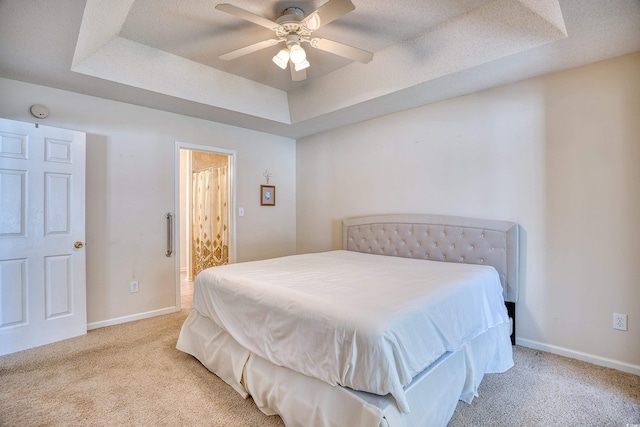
(180, 145)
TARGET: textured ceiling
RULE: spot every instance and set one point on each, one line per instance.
(164, 54)
(197, 31)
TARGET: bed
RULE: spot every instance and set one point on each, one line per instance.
(392, 330)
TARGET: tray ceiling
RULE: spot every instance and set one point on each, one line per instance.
(164, 54)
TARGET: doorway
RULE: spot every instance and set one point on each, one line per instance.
(205, 212)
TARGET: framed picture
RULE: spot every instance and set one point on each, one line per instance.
(267, 195)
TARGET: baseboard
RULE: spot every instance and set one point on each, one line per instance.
(585, 357)
(133, 317)
(187, 276)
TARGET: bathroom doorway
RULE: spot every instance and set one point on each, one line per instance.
(205, 214)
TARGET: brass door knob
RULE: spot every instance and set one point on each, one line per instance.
(78, 245)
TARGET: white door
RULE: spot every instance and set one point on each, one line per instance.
(42, 235)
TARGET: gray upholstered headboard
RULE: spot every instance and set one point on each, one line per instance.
(440, 238)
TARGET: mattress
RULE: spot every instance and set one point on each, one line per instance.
(379, 321)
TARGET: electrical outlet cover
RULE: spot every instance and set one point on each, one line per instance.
(620, 321)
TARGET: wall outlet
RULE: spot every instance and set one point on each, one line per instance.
(620, 321)
(134, 286)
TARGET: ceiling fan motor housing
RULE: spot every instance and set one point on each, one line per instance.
(290, 21)
(293, 13)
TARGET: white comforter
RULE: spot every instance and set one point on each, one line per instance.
(367, 322)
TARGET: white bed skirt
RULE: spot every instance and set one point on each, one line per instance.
(304, 401)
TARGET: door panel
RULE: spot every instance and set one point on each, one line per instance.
(57, 202)
(12, 191)
(58, 287)
(13, 145)
(42, 199)
(14, 292)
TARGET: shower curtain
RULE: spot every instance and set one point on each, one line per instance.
(210, 221)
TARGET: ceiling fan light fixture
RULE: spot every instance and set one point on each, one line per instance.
(282, 58)
(293, 28)
(302, 65)
(297, 54)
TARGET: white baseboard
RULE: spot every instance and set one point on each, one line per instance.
(133, 317)
(187, 276)
(585, 357)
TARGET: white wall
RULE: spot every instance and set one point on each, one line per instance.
(558, 154)
(130, 186)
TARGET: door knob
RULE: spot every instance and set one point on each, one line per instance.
(78, 245)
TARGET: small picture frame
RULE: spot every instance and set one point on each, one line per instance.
(267, 195)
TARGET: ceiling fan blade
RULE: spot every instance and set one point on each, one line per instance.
(343, 50)
(333, 9)
(247, 16)
(297, 76)
(249, 49)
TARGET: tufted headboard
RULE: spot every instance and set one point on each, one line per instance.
(440, 238)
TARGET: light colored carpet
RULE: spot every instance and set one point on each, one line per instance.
(543, 389)
(131, 374)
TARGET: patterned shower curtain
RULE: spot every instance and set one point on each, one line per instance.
(210, 219)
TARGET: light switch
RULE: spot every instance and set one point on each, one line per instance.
(240, 211)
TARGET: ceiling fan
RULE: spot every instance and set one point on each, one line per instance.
(294, 28)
